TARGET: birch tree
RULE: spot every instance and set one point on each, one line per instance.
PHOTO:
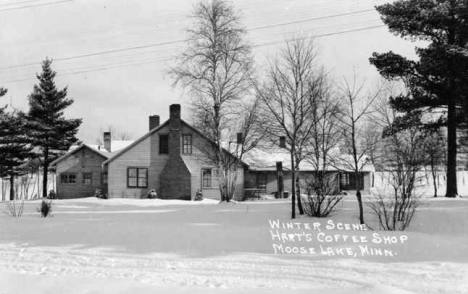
(216, 68)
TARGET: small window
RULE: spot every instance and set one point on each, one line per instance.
(210, 178)
(68, 178)
(187, 144)
(137, 177)
(164, 144)
(104, 178)
(87, 179)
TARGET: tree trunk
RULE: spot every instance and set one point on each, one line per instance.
(279, 179)
(298, 195)
(451, 150)
(12, 184)
(293, 192)
(433, 171)
(359, 199)
(45, 172)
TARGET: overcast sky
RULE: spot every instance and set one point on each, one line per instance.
(113, 54)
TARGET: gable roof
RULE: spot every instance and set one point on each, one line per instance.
(119, 153)
(93, 148)
(115, 155)
(261, 160)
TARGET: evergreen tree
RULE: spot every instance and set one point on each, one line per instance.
(51, 132)
(14, 144)
(439, 79)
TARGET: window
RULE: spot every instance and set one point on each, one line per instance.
(104, 178)
(87, 178)
(137, 177)
(210, 178)
(261, 181)
(349, 180)
(164, 144)
(187, 144)
(68, 178)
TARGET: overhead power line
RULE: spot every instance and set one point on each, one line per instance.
(310, 19)
(168, 59)
(183, 40)
(22, 2)
(30, 6)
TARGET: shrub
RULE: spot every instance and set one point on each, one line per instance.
(322, 195)
(152, 194)
(15, 208)
(199, 195)
(45, 209)
(52, 195)
(394, 213)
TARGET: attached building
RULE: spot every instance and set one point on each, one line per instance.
(79, 171)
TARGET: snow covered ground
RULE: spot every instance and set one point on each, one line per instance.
(142, 246)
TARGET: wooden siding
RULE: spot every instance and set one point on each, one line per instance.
(82, 161)
(146, 154)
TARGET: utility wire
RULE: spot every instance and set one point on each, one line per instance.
(169, 59)
(22, 2)
(181, 41)
(30, 6)
(310, 19)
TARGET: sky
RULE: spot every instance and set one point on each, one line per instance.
(114, 54)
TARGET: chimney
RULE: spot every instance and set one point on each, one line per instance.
(153, 121)
(107, 141)
(174, 129)
(175, 177)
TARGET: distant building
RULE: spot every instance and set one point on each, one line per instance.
(262, 171)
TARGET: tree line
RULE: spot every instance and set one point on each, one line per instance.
(42, 133)
(292, 101)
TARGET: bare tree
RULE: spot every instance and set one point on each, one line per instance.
(435, 148)
(216, 68)
(293, 86)
(405, 155)
(357, 111)
(323, 195)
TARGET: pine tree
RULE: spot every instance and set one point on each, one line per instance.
(51, 132)
(14, 144)
(439, 79)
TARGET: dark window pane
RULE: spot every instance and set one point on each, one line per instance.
(206, 178)
(187, 144)
(164, 144)
(87, 178)
(142, 182)
(132, 182)
(142, 172)
(72, 179)
(132, 172)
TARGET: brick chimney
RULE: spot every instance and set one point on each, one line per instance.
(107, 141)
(153, 121)
(174, 130)
(175, 178)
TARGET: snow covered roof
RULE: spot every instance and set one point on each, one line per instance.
(117, 145)
(265, 160)
(74, 148)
